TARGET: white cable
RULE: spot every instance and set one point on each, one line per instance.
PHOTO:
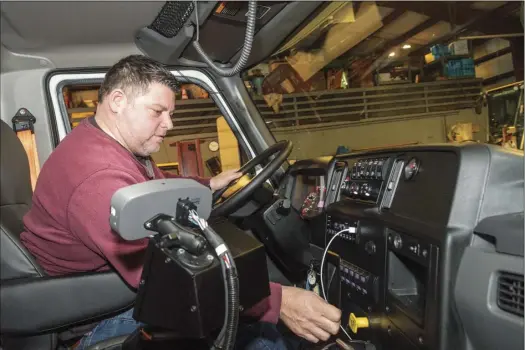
(197, 220)
(322, 268)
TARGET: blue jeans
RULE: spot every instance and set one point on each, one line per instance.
(255, 336)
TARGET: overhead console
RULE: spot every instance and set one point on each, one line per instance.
(222, 30)
(403, 218)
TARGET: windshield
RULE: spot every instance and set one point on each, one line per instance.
(364, 76)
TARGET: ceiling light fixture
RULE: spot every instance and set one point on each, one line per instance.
(407, 46)
(391, 54)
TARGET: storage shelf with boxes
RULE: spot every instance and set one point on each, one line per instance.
(450, 62)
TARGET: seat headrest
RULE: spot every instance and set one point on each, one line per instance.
(15, 184)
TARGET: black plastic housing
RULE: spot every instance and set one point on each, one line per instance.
(190, 300)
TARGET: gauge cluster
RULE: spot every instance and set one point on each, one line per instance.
(365, 178)
(310, 206)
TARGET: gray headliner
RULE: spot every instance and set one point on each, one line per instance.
(40, 25)
(70, 34)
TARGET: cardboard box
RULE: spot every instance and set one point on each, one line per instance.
(459, 47)
(429, 58)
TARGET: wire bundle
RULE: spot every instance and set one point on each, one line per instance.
(226, 338)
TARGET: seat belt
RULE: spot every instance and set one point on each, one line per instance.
(23, 125)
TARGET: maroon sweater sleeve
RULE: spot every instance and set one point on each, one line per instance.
(269, 309)
(88, 217)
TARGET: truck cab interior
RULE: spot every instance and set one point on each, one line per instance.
(377, 158)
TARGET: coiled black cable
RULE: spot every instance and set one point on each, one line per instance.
(226, 338)
(246, 49)
(228, 334)
(232, 311)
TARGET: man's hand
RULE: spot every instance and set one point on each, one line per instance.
(308, 315)
(224, 178)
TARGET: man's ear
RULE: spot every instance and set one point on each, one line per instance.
(117, 100)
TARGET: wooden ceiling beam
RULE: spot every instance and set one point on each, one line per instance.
(380, 56)
(391, 17)
(463, 14)
(390, 45)
(434, 9)
(480, 20)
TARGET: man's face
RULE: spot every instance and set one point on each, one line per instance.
(144, 120)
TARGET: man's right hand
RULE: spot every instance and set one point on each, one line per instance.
(308, 315)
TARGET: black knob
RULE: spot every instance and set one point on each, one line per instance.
(284, 207)
(370, 247)
(369, 191)
(398, 242)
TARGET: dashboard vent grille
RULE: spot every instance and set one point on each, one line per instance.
(335, 183)
(391, 185)
(510, 293)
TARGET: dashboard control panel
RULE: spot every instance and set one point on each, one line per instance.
(361, 250)
(335, 226)
(358, 281)
(369, 169)
(408, 246)
(403, 227)
(365, 178)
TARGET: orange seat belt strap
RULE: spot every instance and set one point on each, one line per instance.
(23, 125)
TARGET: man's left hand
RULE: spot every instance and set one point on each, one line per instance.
(223, 179)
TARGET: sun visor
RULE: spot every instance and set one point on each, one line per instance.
(172, 30)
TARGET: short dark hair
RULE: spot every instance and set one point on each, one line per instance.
(135, 74)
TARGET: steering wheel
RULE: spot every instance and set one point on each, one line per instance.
(230, 198)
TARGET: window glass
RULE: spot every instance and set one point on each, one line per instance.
(200, 144)
(340, 85)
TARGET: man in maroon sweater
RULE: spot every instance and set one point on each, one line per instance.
(67, 228)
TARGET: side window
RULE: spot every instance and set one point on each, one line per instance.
(200, 144)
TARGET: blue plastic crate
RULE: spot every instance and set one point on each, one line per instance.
(468, 67)
(453, 68)
(468, 72)
(439, 51)
(460, 68)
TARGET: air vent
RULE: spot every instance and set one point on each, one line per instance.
(391, 185)
(335, 182)
(510, 293)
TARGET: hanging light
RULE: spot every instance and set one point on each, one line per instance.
(407, 46)
(391, 54)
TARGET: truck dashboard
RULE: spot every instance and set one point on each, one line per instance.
(419, 238)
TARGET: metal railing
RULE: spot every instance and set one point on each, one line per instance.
(319, 109)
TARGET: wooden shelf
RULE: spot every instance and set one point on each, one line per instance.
(81, 110)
